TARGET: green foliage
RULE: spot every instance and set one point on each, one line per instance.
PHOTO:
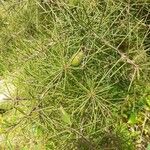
(132, 118)
(65, 116)
(68, 97)
(148, 147)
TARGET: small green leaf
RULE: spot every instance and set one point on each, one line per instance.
(148, 101)
(132, 118)
(148, 146)
(65, 116)
(77, 58)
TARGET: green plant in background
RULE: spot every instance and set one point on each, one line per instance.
(67, 97)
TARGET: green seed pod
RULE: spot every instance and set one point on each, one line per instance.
(77, 58)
